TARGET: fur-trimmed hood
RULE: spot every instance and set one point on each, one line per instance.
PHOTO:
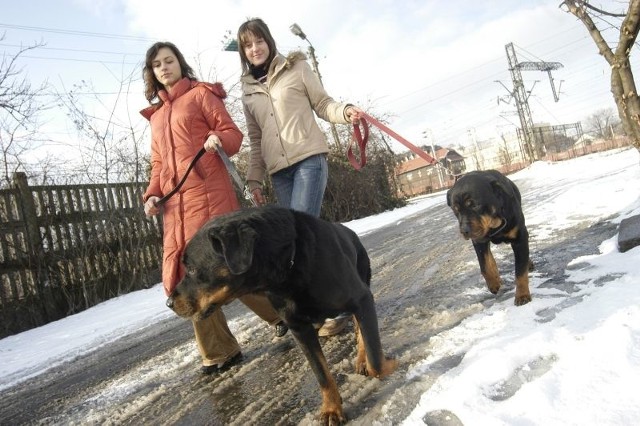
(294, 57)
(181, 88)
(278, 64)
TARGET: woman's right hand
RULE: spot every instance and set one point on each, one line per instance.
(150, 207)
(212, 142)
(258, 197)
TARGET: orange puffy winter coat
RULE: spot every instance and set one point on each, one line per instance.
(179, 127)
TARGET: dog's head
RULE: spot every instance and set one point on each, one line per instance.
(224, 260)
(479, 199)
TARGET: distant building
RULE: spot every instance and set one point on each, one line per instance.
(584, 141)
(505, 154)
(415, 176)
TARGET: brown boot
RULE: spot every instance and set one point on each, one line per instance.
(333, 326)
(214, 369)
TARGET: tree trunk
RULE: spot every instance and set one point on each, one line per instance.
(628, 99)
(623, 85)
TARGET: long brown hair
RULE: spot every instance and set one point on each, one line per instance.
(257, 28)
(151, 84)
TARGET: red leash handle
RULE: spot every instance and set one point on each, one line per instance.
(362, 140)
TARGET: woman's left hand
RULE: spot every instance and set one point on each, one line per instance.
(211, 143)
(353, 114)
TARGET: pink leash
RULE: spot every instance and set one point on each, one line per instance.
(362, 137)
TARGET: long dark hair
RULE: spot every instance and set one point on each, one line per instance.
(151, 84)
(257, 28)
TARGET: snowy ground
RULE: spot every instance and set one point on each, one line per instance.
(557, 360)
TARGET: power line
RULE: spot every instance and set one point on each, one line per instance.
(75, 32)
(66, 49)
(80, 60)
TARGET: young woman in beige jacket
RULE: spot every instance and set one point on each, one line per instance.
(280, 96)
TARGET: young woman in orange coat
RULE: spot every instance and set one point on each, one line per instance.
(185, 114)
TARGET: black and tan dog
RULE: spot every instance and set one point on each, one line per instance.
(309, 269)
(488, 207)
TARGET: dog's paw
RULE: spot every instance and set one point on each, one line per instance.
(493, 282)
(332, 418)
(522, 299)
(361, 361)
(494, 286)
(389, 365)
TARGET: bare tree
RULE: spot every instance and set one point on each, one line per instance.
(623, 85)
(603, 123)
(20, 107)
(110, 150)
(506, 158)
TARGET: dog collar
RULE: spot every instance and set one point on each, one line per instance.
(293, 255)
(500, 228)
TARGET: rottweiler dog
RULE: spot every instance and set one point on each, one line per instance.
(488, 206)
(310, 270)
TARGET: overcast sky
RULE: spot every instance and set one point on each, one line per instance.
(430, 65)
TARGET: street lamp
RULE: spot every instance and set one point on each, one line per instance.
(428, 135)
(297, 31)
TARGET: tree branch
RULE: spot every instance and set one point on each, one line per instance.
(586, 4)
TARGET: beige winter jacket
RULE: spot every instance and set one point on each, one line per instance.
(281, 126)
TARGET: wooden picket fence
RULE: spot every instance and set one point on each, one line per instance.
(66, 248)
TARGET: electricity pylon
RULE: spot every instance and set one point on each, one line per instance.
(544, 66)
(534, 150)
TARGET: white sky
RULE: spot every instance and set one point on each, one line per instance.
(426, 64)
(563, 359)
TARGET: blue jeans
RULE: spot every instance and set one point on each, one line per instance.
(301, 186)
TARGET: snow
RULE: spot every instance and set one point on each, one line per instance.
(564, 358)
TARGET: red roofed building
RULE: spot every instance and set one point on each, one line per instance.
(415, 176)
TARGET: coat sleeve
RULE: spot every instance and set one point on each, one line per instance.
(156, 165)
(323, 104)
(221, 124)
(256, 172)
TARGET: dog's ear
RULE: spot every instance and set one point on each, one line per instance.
(449, 198)
(504, 193)
(235, 243)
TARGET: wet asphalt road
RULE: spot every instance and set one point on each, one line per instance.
(421, 271)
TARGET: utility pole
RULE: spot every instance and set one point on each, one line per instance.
(428, 135)
(296, 30)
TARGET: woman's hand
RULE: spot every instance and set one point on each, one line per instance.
(211, 143)
(258, 196)
(150, 207)
(353, 114)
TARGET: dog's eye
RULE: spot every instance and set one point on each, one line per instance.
(191, 271)
(469, 204)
